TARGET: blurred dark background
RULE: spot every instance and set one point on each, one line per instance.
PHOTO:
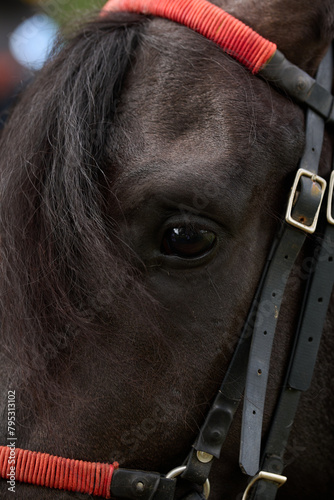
(28, 29)
(12, 13)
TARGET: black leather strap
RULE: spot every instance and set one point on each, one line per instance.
(313, 315)
(300, 85)
(134, 484)
(259, 358)
(301, 368)
(260, 353)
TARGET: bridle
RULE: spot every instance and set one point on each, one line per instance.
(248, 370)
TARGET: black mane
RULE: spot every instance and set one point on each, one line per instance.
(56, 203)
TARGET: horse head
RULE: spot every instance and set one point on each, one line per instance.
(144, 175)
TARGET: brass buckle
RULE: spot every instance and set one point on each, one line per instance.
(288, 217)
(269, 476)
(330, 199)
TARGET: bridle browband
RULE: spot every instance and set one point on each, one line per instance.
(249, 367)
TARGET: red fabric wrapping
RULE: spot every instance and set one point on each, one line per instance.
(57, 472)
(233, 36)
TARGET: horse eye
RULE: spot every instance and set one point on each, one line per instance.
(187, 242)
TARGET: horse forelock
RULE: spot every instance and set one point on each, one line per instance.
(65, 272)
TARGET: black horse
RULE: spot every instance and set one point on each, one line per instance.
(143, 177)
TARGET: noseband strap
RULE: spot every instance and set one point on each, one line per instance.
(42, 469)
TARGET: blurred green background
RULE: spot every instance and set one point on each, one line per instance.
(64, 11)
(28, 29)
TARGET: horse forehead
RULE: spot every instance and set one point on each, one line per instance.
(188, 111)
(182, 104)
(178, 71)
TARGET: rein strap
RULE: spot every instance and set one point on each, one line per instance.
(42, 469)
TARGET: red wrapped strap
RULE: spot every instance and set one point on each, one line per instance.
(42, 469)
(232, 35)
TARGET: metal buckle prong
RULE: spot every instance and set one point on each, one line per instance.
(269, 476)
(330, 199)
(288, 217)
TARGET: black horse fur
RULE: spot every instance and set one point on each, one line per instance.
(115, 347)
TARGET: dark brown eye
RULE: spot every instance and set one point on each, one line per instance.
(187, 242)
